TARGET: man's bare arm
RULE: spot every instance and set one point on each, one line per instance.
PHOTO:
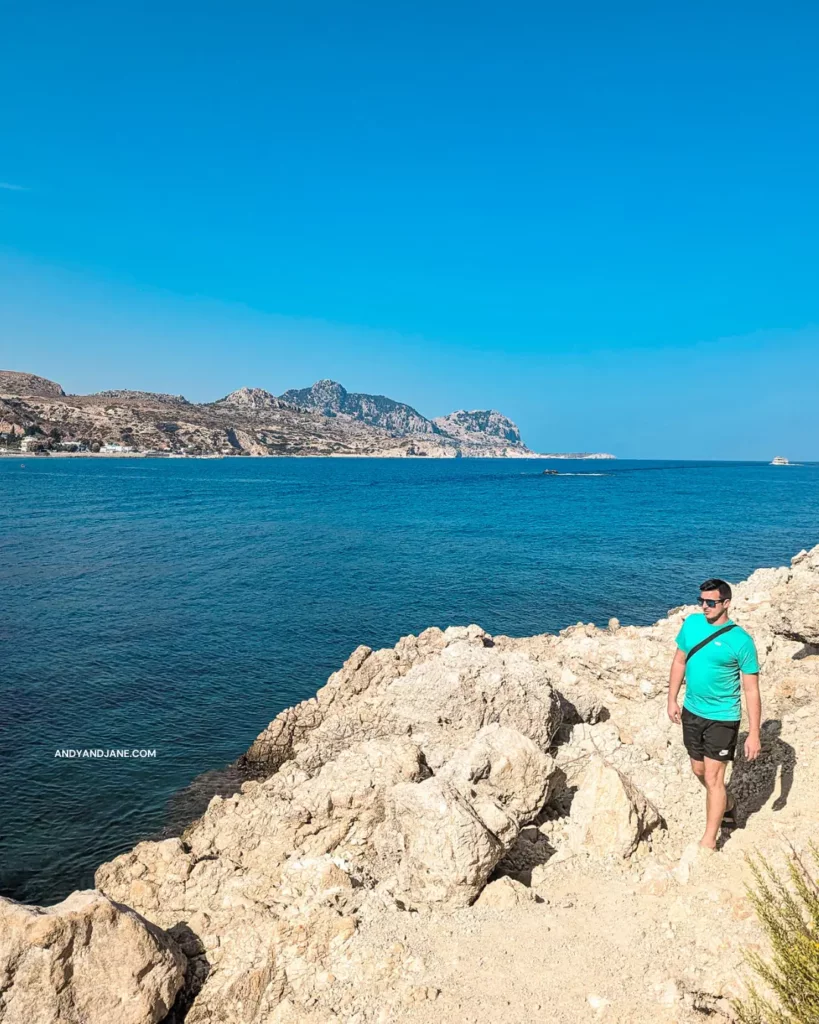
(753, 745)
(675, 681)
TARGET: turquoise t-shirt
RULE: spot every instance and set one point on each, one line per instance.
(712, 677)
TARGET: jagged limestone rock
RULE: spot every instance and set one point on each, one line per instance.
(609, 814)
(797, 600)
(440, 690)
(447, 833)
(86, 960)
(443, 850)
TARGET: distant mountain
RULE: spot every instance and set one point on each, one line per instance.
(482, 423)
(325, 419)
(331, 399)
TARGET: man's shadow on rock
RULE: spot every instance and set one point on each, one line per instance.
(753, 782)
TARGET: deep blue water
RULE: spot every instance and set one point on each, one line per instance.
(179, 605)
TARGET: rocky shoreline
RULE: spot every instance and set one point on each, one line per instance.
(463, 827)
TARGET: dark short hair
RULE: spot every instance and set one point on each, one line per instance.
(720, 585)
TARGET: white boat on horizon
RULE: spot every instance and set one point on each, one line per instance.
(779, 460)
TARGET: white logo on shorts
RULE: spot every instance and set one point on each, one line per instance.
(717, 643)
(722, 753)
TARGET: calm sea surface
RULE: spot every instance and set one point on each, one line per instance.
(179, 605)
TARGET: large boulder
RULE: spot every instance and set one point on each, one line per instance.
(447, 834)
(609, 815)
(444, 852)
(86, 960)
(593, 669)
(504, 776)
(797, 601)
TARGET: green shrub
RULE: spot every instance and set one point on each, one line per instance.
(790, 919)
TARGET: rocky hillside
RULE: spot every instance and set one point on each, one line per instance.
(13, 383)
(479, 422)
(462, 828)
(255, 399)
(322, 420)
(331, 399)
(146, 396)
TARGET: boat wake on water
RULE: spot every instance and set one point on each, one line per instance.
(555, 472)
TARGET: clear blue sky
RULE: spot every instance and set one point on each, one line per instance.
(601, 219)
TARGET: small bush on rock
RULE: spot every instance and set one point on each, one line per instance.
(790, 918)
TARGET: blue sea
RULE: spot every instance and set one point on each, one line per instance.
(176, 606)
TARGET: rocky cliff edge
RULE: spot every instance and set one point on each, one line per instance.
(462, 828)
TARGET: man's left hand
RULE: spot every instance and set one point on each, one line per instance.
(753, 745)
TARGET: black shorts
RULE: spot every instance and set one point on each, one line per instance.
(704, 737)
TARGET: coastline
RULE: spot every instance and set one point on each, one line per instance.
(263, 756)
(499, 787)
(312, 455)
(324, 420)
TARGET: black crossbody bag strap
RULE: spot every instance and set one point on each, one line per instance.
(702, 643)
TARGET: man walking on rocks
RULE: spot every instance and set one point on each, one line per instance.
(713, 654)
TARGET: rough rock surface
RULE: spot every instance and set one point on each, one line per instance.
(609, 815)
(331, 399)
(796, 600)
(446, 835)
(440, 687)
(86, 960)
(342, 886)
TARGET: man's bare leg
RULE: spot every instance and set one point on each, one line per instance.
(716, 801)
(698, 768)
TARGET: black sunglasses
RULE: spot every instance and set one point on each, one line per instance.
(710, 601)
